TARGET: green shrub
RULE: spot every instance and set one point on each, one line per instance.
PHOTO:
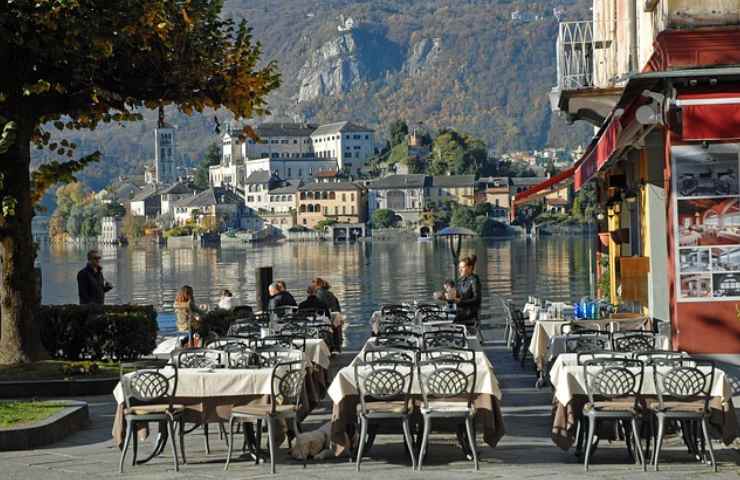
(74, 332)
(218, 321)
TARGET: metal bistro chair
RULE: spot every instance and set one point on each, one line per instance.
(229, 344)
(509, 325)
(452, 338)
(384, 387)
(575, 328)
(243, 329)
(447, 383)
(149, 394)
(387, 329)
(201, 358)
(374, 353)
(613, 387)
(577, 343)
(285, 341)
(271, 355)
(246, 358)
(429, 308)
(396, 341)
(684, 390)
(522, 336)
(633, 341)
(286, 394)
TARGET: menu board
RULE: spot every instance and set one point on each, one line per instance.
(706, 189)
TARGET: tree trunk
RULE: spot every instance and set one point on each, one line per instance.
(20, 341)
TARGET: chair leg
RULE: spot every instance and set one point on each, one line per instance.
(181, 433)
(259, 441)
(589, 441)
(424, 442)
(579, 437)
(173, 438)
(222, 432)
(638, 446)
(230, 444)
(272, 438)
(129, 433)
(659, 440)
(361, 447)
(409, 441)
(205, 437)
(135, 440)
(705, 429)
(471, 439)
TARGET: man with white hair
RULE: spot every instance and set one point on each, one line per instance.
(279, 298)
(91, 286)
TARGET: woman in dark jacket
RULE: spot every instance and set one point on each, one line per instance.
(468, 293)
(325, 295)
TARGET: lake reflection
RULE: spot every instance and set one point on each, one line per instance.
(362, 275)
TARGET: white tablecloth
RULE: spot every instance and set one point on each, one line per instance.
(568, 380)
(226, 382)
(317, 351)
(545, 329)
(486, 381)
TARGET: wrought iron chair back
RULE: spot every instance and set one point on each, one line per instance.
(633, 342)
(284, 311)
(394, 307)
(397, 317)
(434, 317)
(429, 308)
(447, 338)
(149, 383)
(613, 378)
(262, 319)
(288, 379)
(246, 358)
(396, 341)
(199, 358)
(683, 380)
(285, 341)
(383, 380)
(294, 329)
(375, 353)
(446, 374)
(270, 356)
(229, 344)
(519, 323)
(583, 357)
(587, 343)
(243, 329)
(390, 329)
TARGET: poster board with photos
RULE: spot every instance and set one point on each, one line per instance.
(706, 185)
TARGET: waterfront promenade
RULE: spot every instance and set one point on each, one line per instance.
(526, 450)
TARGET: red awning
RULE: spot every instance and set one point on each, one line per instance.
(710, 115)
(550, 185)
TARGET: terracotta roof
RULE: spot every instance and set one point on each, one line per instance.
(207, 198)
(400, 181)
(339, 127)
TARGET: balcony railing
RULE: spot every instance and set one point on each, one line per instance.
(586, 55)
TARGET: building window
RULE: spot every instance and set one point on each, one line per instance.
(352, 209)
(344, 210)
(304, 221)
(367, 137)
(275, 155)
(344, 197)
(274, 141)
(346, 137)
(288, 171)
(348, 154)
(336, 210)
(284, 142)
(300, 172)
(357, 147)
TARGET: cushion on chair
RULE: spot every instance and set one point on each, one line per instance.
(153, 409)
(623, 405)
(263, 410)
(398, 407)
(695, 406)
(449, 406)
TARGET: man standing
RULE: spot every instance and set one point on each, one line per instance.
(90, 282)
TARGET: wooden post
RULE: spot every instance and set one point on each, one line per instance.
(263, 279)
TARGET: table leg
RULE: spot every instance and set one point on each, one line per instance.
(160, 441)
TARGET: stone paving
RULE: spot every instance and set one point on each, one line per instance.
(525, 452)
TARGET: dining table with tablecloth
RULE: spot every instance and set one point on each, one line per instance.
(570, 396)
(209, 394)
(344, 394)
(545, 329)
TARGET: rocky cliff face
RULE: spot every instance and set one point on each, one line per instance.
(423, 54)
(333, 69)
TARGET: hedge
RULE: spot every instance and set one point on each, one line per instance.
(218, 321)
(120, 332)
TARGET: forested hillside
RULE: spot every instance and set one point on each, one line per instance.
(463, 64)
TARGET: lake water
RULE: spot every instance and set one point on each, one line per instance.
(362, 275)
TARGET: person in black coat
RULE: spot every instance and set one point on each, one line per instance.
(279, 299)
(282, 288)
(312, 302)
(468, 299)
(91, 286)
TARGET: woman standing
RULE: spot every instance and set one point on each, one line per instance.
(188, 315)
(468, 298)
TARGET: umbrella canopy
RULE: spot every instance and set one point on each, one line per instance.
(455, 232)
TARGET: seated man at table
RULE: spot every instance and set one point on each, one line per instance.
(279, 298)
(312, 302)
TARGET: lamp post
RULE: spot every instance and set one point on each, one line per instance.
(454, 236)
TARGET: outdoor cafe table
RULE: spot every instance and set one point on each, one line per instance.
(209, 394)
(569, 383)
(544, 330)
(344, 394)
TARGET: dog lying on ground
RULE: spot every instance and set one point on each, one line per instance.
(315, 444)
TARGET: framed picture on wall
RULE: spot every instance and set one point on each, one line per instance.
(696, 285)
(706, 171)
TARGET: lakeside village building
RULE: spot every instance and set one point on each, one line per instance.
(299, 175)
(660, 82)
